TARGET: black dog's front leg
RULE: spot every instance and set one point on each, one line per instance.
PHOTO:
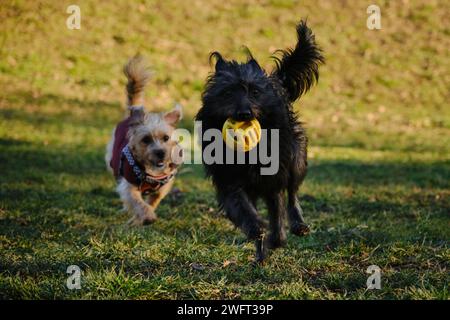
(295, 216)
(277, 212)
(243, 214)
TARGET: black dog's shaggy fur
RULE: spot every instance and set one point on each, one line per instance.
(244, 91)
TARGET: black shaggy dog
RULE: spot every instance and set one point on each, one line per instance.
(243, 91)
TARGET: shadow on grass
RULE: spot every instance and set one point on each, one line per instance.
(434, 174)
(71, 110)
(17, 156)
(21, 160)
(77, 112)
(33, 164)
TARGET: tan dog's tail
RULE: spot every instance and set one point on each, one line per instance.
(138, 74)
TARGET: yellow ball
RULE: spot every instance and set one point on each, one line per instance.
(241, 135)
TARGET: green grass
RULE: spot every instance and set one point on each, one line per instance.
(377, 191)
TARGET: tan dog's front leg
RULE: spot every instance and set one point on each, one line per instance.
(133, 202)
(155, 198)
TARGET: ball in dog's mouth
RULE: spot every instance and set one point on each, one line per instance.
(241, 135)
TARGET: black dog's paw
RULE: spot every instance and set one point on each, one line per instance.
(259, 260)
(300, 229)
(255, 229)
(274, 242)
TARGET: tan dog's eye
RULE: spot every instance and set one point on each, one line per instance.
(147, 139)
(166, 138)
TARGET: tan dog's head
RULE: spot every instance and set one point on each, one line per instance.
(151, 140)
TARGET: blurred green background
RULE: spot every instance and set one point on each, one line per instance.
(377, 191)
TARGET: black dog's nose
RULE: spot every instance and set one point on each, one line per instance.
(159, 153)
(244, 114)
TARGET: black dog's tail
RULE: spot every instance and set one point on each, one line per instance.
(138, 75)
(298, 68)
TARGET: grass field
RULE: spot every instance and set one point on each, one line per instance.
(378, 188)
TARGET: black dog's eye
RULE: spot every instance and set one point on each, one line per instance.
(147, 139)
(166, 138)
(255, 92)
(228, 93)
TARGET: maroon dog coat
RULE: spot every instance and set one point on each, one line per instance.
(124, 164)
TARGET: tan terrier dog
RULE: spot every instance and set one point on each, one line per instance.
(141, 153)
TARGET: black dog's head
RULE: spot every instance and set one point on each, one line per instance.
(241, 91)
(244, 91)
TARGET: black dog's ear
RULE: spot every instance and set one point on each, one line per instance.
(250, 59)
(254, 64)
(137, 115)
(298, 68)
(220, 62)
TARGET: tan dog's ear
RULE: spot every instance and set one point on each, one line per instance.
(172, 117)
(137, 115)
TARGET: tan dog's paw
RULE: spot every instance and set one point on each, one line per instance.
(146, 217)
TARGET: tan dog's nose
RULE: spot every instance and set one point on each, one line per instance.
(159, 153)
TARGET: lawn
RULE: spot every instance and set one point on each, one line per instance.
(377, 190)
